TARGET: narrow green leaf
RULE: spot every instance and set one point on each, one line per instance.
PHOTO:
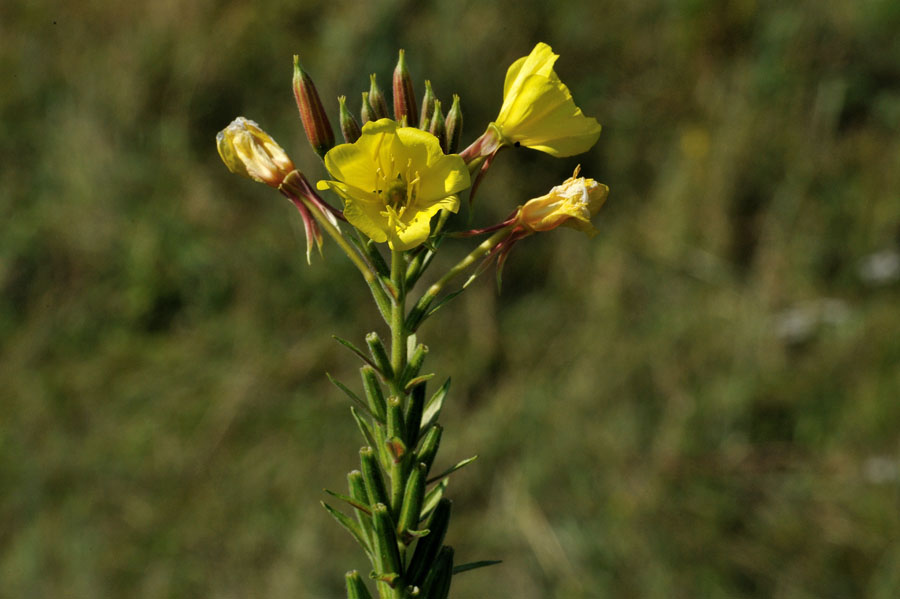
(433, 496)
(348, 524)
(414, 364)
(452, 469)
(364, 428)
(433, 407)
(353, 396)
(473, 565)
(349, 345)
(430, 444)
(350, 501)
(443, 302)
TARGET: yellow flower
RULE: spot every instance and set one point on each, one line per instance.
(538, 110)
(571, 204)
(393, 179)
(250, 152)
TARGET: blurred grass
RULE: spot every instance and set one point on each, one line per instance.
(700, 402)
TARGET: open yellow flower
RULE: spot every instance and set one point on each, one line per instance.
(393, 179)
(538, 110)
(571, 204)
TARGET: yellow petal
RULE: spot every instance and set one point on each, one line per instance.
(366, 217)
(539, 62)
(543, 116)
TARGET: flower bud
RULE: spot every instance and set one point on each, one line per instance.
(250, 152)
(349, 127)
(438, 127)
(572, 204)
(312, 113)
(367, 112)
(454, 123)
(404, 94)
(376, 98)
(427, 107)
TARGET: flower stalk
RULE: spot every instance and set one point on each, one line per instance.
(399, 184)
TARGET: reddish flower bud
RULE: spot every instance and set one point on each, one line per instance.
(427, 107)
(454, 123)
(312, 113)
(376, 98)
(404, 94)
(438, 127)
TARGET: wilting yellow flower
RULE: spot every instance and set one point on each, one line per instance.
(538, 110)
(393, 179)
(250, 152)
(571, 204)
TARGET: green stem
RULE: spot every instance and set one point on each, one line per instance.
(477, 254)
(398, 315)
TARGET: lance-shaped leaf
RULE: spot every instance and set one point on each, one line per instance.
(349, 525)
(430, 443)
(349, 345)
(412, 504)
(434, 405)
(368, 434)
(386, 549)
(356, 589)
(372, 476)
(452, 469)
(353, 396)
(473, 565)
(433, 497)
(437, 583)
(427, 548)
(414, 365)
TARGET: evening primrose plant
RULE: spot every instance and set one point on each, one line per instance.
(393, 186)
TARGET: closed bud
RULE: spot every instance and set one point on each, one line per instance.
(404, 94)
(349, 127)
(367, 112)
(454, 124)
(427, 107)
(438, 126)
(312, 113)
(250, 152)
(376, 98)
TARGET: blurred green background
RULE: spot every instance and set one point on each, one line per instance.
(703, 401)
